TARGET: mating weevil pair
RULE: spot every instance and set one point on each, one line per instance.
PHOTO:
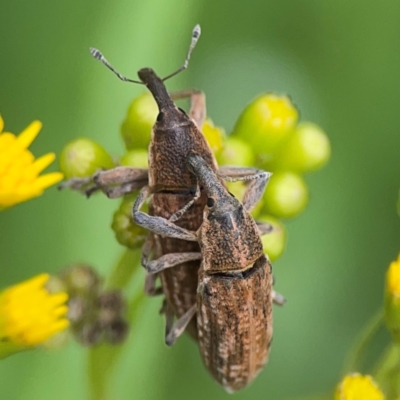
(195, 222)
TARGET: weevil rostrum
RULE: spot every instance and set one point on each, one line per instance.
(234, 294)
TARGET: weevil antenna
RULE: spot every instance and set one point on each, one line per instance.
(99, 56)
(195, 37)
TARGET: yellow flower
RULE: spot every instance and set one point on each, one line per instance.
(29, 315)
(358, 387)
(393, 278)
(392, 299)
(215, 136)
(19, 171)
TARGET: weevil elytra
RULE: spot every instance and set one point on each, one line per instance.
(174, 192)
(234, 295)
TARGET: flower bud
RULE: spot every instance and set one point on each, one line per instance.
(81, 280)
(116, 332)
(83, 157)
(138, 123)
(236, 152)
(111, 304)
(392, 299)
(307, 149)
(214, 135)
(135, 158)
(356, 386)
(266, 123)
(126, 231)
(286, 195)
(273, 242)
(90, 333)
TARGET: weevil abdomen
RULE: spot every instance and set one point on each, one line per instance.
(235, 323)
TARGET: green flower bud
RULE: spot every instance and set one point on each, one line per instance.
(306, 150)
(83, 157)
(214, 135)
(274, 242)
(138, 123)
(236, 152)
(266, 123)
(392, 299)
(135, 158)
(126, 231)
(286, 195)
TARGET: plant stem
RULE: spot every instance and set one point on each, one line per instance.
(353, 359)
(103, 358)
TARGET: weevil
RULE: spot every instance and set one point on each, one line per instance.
(174, 192)
(234, 294)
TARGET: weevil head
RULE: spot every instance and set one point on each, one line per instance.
(169, 116)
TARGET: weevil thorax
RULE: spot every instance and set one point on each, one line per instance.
(174, 135)
(229, 237)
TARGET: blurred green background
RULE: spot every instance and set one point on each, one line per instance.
(340, 63)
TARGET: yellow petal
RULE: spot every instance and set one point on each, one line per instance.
(43, 162)
(47, 180)
(6, 140)
(28, 135)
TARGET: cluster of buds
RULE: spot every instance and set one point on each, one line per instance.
(267, 135)
(95, 314)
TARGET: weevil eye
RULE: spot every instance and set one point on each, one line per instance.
(160, 116)
(182, 111)
(210, 202)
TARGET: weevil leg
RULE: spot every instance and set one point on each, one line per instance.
(278, 299)
(258, 181)
(197, 104)
(179, 213)
(180, 325)
(264, 228)
(169, 317)
(148, 246)
(158, 225)
(150, 287)
(169, 260)
(113, 182)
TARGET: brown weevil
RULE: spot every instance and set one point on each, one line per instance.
(175, 194)
(234, 294)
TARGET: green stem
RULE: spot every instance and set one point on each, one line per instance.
(387, 371)
(102, 359)
(353, 359)
(122, 273)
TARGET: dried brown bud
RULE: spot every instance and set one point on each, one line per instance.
(110, 304)
(116, 332)
(90, 333)
(81, 279)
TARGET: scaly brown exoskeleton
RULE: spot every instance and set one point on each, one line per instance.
(170, 184)
(234, 295)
